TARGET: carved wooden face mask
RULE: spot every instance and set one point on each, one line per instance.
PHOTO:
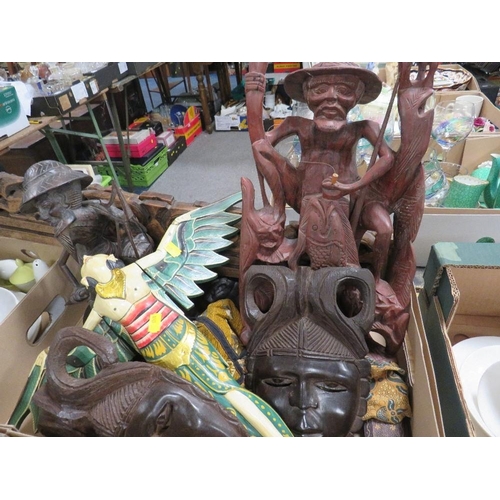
(307, 346)
(315, 397)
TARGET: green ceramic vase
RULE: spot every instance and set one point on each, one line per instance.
(464, 192)
(491, 193)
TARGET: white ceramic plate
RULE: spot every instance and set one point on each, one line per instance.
(470, 373)
(488, 398)
(447, 78)
(466, 347)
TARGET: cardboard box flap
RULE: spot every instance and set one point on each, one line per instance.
(459, 254)
(475, 295)
(191, 113)
(478, 149)
(473, 283)
(456, 420)
(426, 420)
(449, 296)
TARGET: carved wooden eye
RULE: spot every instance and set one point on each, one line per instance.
(321, 89)
(164, 419)
(278, 381)
(344, 90)
(330, 386)
(349, 298)
(263, 294)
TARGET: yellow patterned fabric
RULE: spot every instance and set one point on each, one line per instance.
(224, 316)
(388, 400)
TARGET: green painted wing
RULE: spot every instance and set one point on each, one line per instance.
(190, 248)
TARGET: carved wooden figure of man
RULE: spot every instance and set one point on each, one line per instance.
(54, 191)
(335, 204)
(328, 141)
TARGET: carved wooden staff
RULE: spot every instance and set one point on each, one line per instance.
(266, 169)
(361, 198)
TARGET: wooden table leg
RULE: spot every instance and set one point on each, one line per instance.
(202, 90)
(237, 70)
(209, 126)
(224, 82)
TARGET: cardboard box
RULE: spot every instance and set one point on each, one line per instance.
(49, 295)
(231, 117)
(191, 127)
(166, 138)
(230, 122)
(12, 116)
(454, 225)
(448, 254)
(414, 357)
(283, 67)
(460, 225)
(488, 109)
(459, 301)
(455, 418)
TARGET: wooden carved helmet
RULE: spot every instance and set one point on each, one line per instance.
(46, 176)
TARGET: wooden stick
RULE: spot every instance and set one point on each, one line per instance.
(361, 198)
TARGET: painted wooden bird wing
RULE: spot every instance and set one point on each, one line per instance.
(189, 249)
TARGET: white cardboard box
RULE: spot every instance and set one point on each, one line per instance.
(230, 122)
(12, 114)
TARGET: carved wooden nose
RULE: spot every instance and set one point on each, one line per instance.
(303, 397)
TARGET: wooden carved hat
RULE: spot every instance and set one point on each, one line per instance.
(294, 82)
(46, 176)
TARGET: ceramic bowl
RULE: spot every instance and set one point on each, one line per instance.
(8, 301)
(488, 398)
(471, 371)
(7, 268)
(23, 278)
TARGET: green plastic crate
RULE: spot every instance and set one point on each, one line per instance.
(142, 175)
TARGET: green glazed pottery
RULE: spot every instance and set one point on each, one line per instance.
(464, 192)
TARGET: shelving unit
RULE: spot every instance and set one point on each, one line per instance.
(52, 126)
